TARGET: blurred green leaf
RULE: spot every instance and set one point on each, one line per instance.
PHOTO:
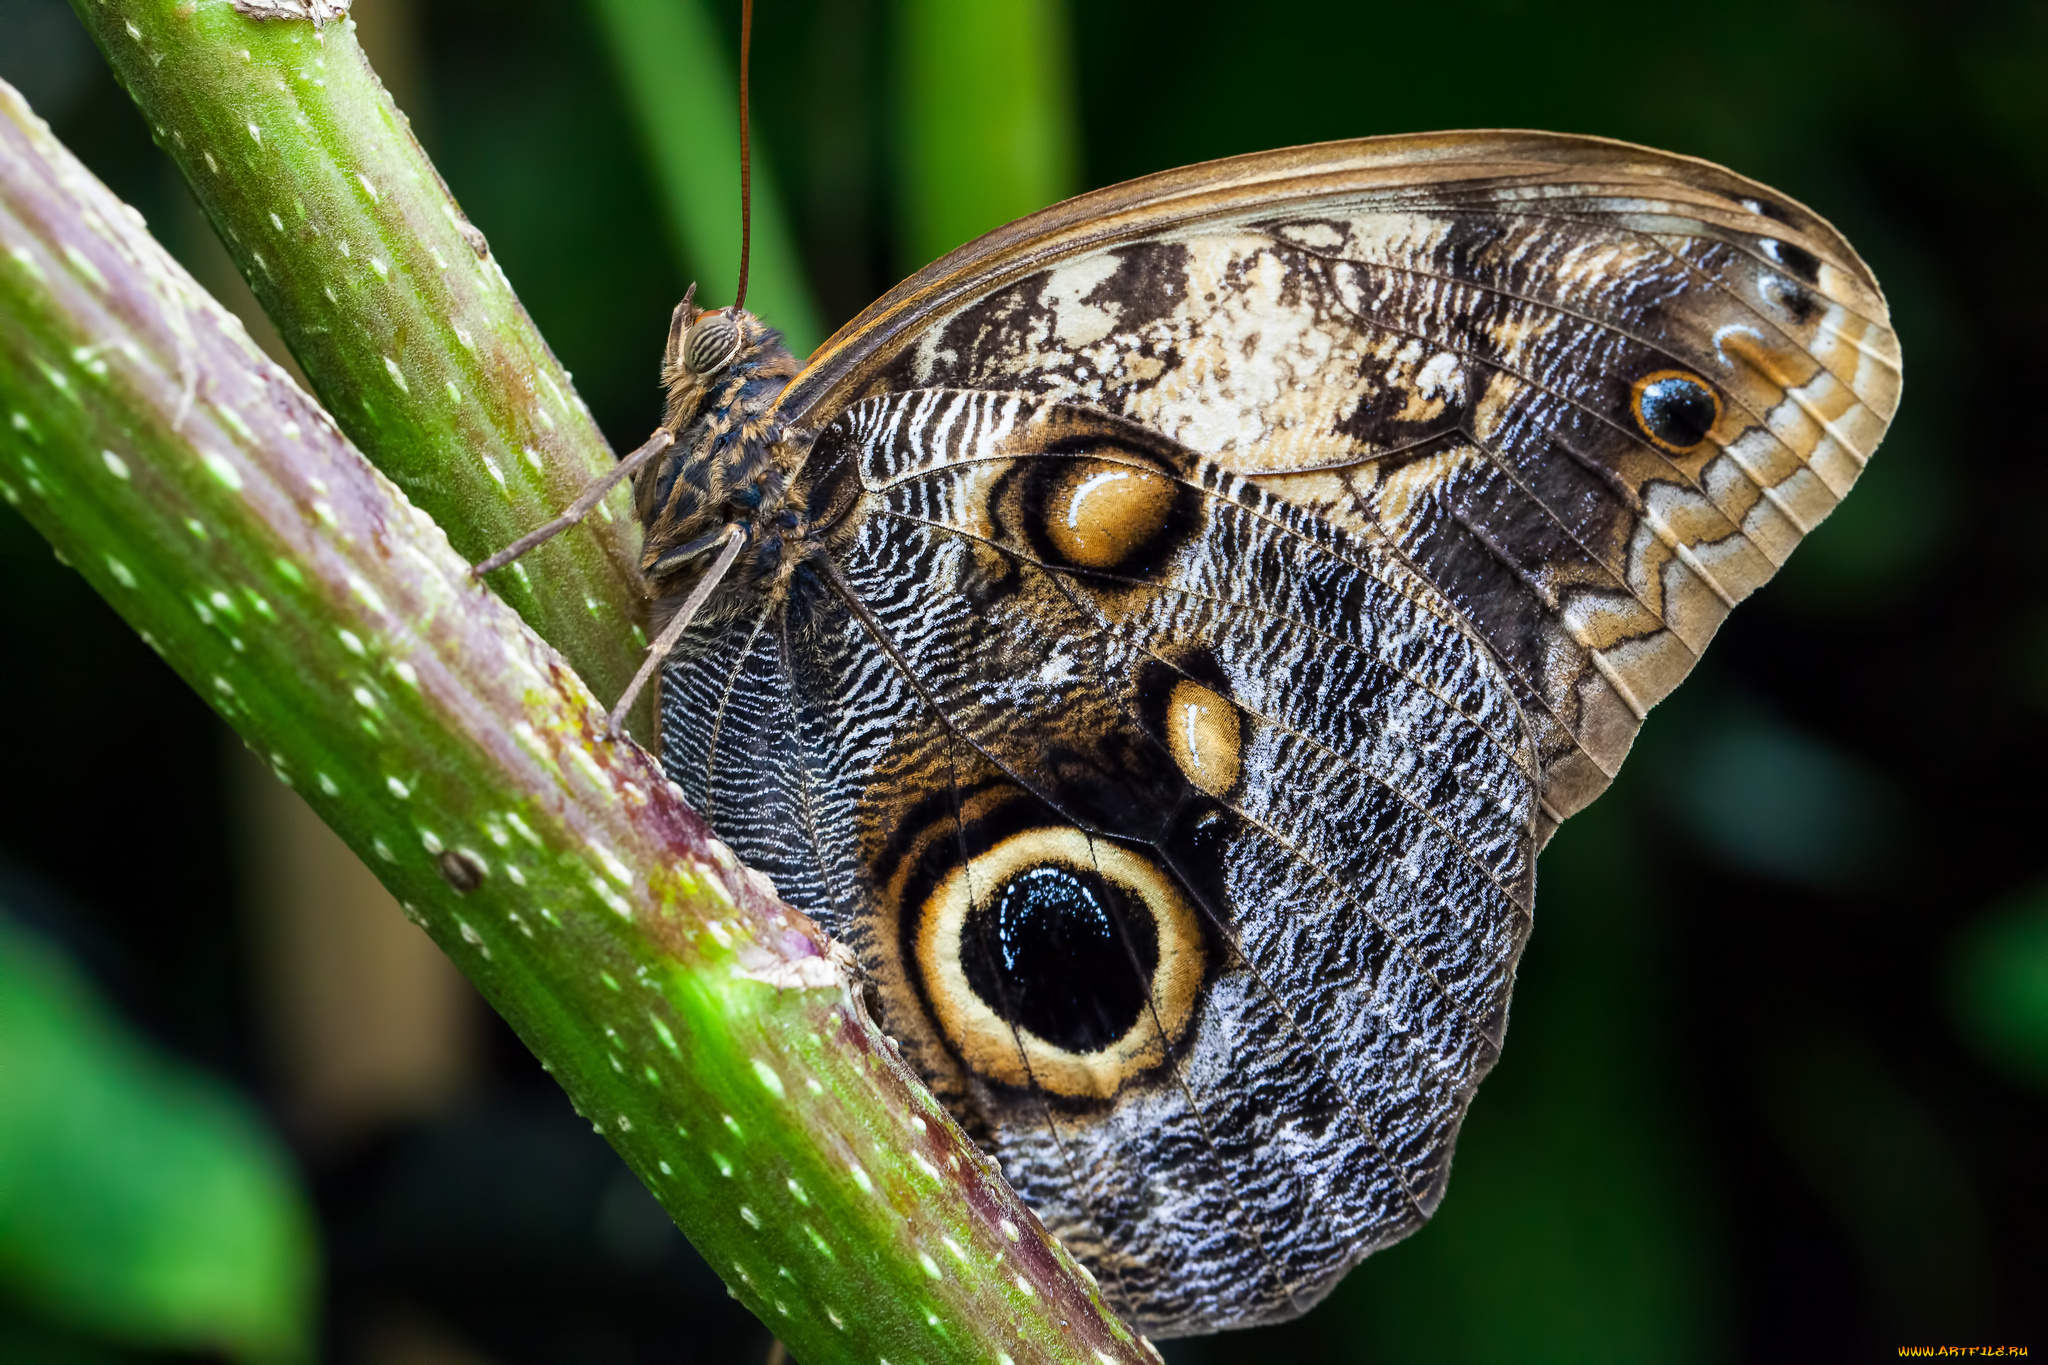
(988, 121)
(1773, 800)
(1998, 987)
(684, 95)
(138, 1198)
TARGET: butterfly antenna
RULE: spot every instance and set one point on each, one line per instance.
(739, 297)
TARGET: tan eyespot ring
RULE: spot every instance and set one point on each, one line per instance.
(1676, 409)
(1015, 1056)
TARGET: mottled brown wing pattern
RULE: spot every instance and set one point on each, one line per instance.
(1193, 606)
(1065, 657)
(1593, 393)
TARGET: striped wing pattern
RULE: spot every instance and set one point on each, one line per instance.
(1362, 882)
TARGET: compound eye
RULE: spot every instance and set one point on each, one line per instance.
(711, 343)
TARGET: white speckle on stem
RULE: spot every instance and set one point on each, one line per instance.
(397, 377)
(367, 594)
(218, 466)
(116, 466)
(614, 869)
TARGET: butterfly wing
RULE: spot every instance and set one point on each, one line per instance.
(1187, 838)
(1594, 393)
(1234, 576)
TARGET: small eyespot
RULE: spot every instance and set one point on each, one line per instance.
(711, 343)
(1792, 257)
(1675, 409)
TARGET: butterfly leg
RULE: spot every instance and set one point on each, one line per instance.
(735, 539)
(581, 508)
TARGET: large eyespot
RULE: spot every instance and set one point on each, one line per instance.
(1062, 961)
(1099, 514)
(1120, 516)
(711, 343)
(1675, 409)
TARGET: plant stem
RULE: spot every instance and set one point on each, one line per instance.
(708, 1031)
(388, 297)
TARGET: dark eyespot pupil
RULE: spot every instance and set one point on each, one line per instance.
(1677, 411)
(1051, 951)
(709, 343)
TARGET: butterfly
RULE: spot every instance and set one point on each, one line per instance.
(1159, 636)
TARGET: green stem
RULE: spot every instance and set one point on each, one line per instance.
(706, 1029)
(388, 297)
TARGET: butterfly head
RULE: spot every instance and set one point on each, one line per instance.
(730, 464)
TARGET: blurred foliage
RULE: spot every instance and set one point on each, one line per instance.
(1774, 1082)
(685, 102)
(1777, 802)
(139, 1199)
(987, 118)
(1998, 986)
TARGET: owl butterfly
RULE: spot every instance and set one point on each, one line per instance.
(1159, 636)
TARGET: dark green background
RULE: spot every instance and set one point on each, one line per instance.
(1777, 1082)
